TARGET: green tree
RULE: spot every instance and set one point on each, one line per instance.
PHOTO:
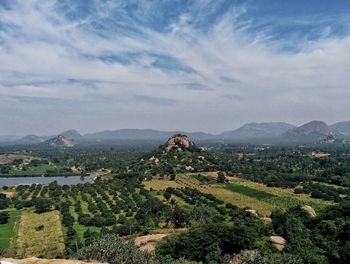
(221, 177)
(112, 249)
(4, 216)
(42, 205)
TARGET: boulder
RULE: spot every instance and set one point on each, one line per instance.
(310, 211)
(252, 211)
(278, 242)
(267, 220)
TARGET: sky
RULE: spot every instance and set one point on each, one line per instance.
(195, 65)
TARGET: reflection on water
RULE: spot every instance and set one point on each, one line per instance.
(61, 180)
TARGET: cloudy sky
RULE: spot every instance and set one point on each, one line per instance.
(171, 65)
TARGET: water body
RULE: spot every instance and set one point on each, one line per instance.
(61, 180)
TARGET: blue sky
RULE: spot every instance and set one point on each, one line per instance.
(171, 65)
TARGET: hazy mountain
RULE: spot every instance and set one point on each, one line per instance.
(257, 130)
(59, 141)
(9, 138)
(71, 134)
(342, 128)
(31, 139)
(312, 131)
(143, 134)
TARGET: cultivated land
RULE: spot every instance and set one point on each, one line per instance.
(40, 235)
(241, 192)
(7, 231)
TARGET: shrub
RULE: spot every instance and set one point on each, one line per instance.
(111, 249)
(4, 216)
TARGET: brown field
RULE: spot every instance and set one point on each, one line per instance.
(8, 158)
(158, 184)
(47, 241)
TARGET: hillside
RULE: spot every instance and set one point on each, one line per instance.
(309, 132)
(342, 128)
(71, 134)
(257, 130)
(31, 139)
(179, 154)
(59, 141)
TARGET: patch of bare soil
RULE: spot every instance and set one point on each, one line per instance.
(148, 242)
(9, 158)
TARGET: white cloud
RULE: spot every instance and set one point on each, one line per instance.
(44, 49)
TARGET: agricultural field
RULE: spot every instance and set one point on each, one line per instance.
(241, 192)
(34, 170)
(7, 231)
(159, 184)
(40, 235)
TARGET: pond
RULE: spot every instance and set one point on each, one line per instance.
(61, 180)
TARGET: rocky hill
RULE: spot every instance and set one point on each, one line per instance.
(59, 141)
(178, 154)
(72, 134)
(312, 131)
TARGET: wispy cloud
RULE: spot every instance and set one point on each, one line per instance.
(154, 100)
(183, 58)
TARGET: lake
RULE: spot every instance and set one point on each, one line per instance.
(61, 180)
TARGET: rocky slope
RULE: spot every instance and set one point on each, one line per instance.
(179, 153)
(59, 141)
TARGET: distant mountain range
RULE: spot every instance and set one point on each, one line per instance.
(257, 130)
(270, 132)
(342, 128)
(312, 131)
(144, 134)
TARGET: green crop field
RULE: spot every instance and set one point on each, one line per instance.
(249, 191)
(7, 231)
(34, 170)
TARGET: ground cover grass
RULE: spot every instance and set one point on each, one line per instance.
(7, 231)
(241, 192)
(40, 235)
(159, 184)
(236, 198)
(34, 170)
(251, 192)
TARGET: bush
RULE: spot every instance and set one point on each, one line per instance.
(4, 216)
(111, 249)
(42, 205)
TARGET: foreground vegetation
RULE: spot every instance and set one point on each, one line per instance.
(202, 200)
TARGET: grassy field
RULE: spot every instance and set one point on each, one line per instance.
(257, 194)
(236, 198)
(34, 170)
(158, 184)
(40, 235)
(7, 231)
(242, 193)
